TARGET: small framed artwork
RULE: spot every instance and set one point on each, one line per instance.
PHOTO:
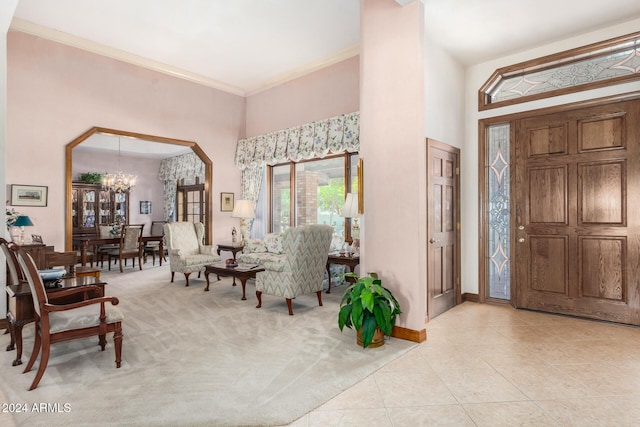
(226, 202)
(36, 238)
(28, 195)
(145, 207)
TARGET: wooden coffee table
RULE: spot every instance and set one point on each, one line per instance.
(242, 272)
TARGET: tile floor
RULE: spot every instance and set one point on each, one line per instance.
(489, 365)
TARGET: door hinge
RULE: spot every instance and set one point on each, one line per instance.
(457, 171)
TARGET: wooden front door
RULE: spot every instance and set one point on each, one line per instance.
(443, 287)
(577, 219)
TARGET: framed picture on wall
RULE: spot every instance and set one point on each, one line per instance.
(28, 195)
(145, 207)
(226, 202)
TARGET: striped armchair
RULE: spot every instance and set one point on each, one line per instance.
(187, 253)
(301, 270)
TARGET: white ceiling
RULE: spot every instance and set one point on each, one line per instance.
(244, 46)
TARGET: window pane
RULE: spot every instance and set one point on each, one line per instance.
(281, 198)
(320, 193)
(499, 225)
(353, 161)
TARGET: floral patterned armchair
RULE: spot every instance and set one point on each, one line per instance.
(187, 253)
(302, 269)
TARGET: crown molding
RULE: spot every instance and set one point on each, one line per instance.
(28, 27)
(341, 55)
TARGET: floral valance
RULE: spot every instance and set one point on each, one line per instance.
(311, 140)
(173, 169)
(180, 167)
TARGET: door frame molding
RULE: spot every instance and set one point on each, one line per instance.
(483, 124)
(458, 267)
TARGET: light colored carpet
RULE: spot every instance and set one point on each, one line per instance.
(197, 358)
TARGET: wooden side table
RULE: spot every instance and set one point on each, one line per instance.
(234, 248)
(348, 259)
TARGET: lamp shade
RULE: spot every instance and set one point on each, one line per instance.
(243, 209)
(23, 221)
(350, 209)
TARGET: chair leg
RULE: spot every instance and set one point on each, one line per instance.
(117, 343)
(173, 273)
(319, 298)
(44, 360)
(102, 340)
(139, 262)
(120, 264)
(289, 306)
(259, 296)
(37, 343)
(186, 277)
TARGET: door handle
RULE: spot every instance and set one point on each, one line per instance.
(432, 240)
(521, 240)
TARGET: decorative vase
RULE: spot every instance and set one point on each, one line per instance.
(15, 233)
(377, 341)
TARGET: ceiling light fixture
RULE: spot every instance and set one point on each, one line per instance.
(118, 182)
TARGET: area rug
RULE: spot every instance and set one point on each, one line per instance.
(196, 358)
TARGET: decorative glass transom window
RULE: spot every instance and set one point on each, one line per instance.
(600, 64)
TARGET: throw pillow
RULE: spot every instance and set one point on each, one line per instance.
(253, 246)
(273, 243)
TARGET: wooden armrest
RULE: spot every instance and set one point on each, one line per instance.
(100, 300)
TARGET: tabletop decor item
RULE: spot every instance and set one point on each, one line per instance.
(369, 308)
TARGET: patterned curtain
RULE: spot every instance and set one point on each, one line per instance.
(311, 140)
(251, 184)
(174, 169)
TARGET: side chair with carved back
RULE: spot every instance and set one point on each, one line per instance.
(57, 323)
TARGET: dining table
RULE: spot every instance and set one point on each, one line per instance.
(83, 242)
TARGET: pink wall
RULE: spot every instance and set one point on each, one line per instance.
(55, 93)
(394, 152)
(319, 95)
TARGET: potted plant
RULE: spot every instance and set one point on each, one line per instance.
(91, 177)
(368, 307)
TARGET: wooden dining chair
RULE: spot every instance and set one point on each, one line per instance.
(15, 272)
(61, 259)
(130, 246)
(153, 248)
(57, 323)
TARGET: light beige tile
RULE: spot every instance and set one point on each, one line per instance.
(350, 418)
(586, 412)
(412, 389)
(508, 414)
(364, 395)
(430, 416)
(604, 378)
(544, 382)
(408, 362)
(482, 388)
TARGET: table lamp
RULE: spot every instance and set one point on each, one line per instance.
(243, 210)
(350, 210)
(22, 221)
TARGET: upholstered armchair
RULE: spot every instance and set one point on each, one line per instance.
(302, 269)
(187, 253)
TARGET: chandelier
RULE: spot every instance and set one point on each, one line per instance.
(118, 182)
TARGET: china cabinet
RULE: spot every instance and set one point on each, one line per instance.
(92, 206)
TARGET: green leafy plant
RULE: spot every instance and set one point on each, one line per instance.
(91, 177)
(367, 305)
